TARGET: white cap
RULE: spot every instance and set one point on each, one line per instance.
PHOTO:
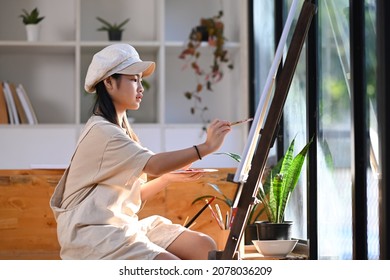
(116, 59)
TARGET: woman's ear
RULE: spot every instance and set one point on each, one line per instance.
(108, 83)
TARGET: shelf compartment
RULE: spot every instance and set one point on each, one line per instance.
(179, 24)
(143, 24)
(48, 79)
(59, 24)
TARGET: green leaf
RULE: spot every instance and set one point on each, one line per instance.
(275, 193)
(204, 197)
(107, 26)
(145, 84)
(234, 156)
(123, 23)
(281, 188)
(264, 199)
(188, 95)
(106, 23)
(252, 217)
(292, 177)
(227, 200)
(275, 170)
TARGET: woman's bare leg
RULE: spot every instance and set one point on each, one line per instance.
(166, 256)
(192, 245)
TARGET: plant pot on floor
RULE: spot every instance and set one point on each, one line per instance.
(274, 231)
(250, 234)
(32, 31)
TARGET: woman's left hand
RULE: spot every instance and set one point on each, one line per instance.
(152, 187)
(181, 177)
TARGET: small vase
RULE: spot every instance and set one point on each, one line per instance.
(32, 31)
(274, 231)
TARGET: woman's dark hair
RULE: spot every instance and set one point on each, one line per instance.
(103, 104)
(105, 107)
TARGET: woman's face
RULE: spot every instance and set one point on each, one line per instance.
(127, 92)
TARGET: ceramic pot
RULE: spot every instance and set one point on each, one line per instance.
(203, 31)
(115, 35)
(250, 234)
(32, 31)
(274, 231)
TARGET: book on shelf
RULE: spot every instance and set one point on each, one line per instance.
(15, 106)
(3, 107)
(19, 108)
(28, 108)
(12, 114)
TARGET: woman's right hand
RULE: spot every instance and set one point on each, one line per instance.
(216, 132)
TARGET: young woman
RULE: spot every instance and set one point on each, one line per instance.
(98, 197)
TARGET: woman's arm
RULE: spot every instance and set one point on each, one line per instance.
(162, 163)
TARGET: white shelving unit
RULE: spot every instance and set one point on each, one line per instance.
(53, 70)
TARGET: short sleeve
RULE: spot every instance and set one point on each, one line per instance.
(123, 161)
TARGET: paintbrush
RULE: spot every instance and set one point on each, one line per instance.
(242, 121)
(199, 212)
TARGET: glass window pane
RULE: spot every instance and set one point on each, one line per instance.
(264, 47)
(372, 172)
(294, 126)
(264, 43)
(334, 152)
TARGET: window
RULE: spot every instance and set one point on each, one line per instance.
(334, 122)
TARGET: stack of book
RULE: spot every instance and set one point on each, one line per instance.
(15, 106)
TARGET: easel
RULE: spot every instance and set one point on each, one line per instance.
(248, 189)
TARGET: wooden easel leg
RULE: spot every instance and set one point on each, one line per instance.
(215, 255)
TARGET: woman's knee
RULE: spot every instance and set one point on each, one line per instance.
(192, 245)
(206, 242)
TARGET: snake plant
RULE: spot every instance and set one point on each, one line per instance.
(31, 17)
(281, 182)
(107, 26)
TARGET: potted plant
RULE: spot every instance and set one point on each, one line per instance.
(31, 20)
(114, 30)
(210, 30)
(275, 193)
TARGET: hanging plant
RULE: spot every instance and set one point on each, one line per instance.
(210, 30)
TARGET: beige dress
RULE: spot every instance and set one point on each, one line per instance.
(97, 199)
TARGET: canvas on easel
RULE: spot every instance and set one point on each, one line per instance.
(264, 128)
